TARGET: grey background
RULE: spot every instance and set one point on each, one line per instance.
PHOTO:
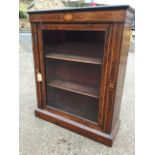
(38, 137)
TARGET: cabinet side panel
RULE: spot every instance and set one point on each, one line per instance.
(121, 72)
(113, 61)
(36, 63)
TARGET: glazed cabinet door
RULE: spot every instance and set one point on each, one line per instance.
(73, 64)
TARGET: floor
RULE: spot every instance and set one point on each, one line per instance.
(38, 137)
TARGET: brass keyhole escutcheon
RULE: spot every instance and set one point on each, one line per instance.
(39, 77)
(68, 17)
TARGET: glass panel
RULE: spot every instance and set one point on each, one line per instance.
(80, 43)
(73, 103)
(73, 70)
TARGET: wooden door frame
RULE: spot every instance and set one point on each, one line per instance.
(100, 125)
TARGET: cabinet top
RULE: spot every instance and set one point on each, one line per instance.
(81, 9)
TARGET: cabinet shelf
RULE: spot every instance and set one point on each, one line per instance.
(74, 58)
(76, 88)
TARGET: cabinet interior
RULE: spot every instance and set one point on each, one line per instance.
(73, 62)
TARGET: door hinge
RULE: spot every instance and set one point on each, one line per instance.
(39, 77)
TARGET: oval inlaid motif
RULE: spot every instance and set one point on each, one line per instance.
(68, 16)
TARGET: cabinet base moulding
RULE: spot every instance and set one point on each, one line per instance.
(82, 129)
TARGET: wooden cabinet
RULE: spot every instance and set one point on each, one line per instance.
(80, 58)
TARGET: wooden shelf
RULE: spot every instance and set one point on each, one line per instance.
(76, 88)
(74, 58)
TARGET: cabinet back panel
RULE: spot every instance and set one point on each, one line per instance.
(78, 105)
(82, 43)
(85, 74)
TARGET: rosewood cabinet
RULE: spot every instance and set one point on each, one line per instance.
(80, 58)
